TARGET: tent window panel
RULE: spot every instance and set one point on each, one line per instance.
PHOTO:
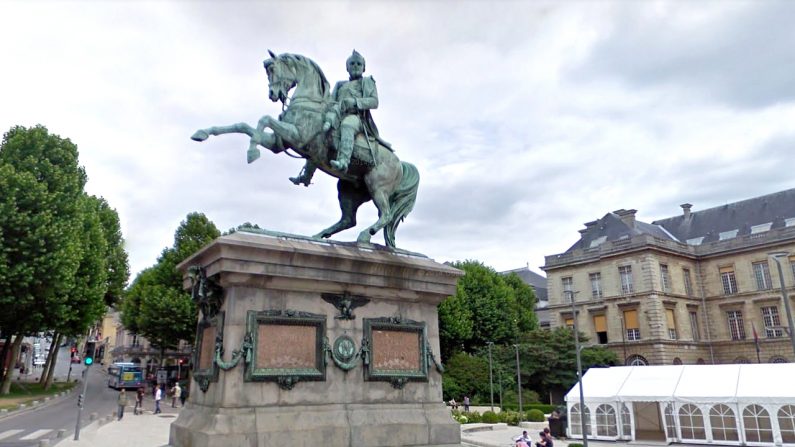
(606, 424)
(786, 423)
(691, 422)
(724, 424)
(576, 421)
(626, 421)
(670, 421)
(757, 424)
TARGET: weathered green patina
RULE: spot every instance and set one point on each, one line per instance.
(336, 134)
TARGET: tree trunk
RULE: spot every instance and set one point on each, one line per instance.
(53, 360)
(3, 355)
(46, 369)
(6, 387)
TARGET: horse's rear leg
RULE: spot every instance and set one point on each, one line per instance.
(350, 198)
(381, 201)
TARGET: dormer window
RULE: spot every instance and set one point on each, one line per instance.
(724, 235)
(695, 241)
(598, 241)
(761, 228)
(789, 222)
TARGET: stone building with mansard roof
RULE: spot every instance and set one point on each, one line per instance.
(688, 289)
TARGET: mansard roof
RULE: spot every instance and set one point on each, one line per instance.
(777, 209)
(533, 279)
(618, 225)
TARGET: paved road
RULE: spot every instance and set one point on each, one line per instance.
(28, 427)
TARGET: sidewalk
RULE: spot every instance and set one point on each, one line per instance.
(145, 430)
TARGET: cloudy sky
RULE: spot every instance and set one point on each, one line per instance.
(525, 119)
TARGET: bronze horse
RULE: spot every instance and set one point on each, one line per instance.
(375, 173)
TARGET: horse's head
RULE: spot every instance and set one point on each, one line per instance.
(281, 78)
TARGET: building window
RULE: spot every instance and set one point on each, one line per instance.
(665, 278)
(636, 360)
(568, 288)
(631, 325)
(736, 327)
(669, 317)
(569, 323)
(777, 359)
(792, 265)
(762, 275)
(596, 285)
(600, 326)
(625, 272)
(688, 282)
(770, 317)
(728, 280)
(757, 424)
(724, 425)
(694, 326)
(786, 423)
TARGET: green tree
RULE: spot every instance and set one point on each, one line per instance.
(116, 259)
(41, 186)
(155, 305)
(525, 301)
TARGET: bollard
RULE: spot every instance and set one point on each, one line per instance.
(3, 412)
(59, 434)
(93, 417)
(21, 406)
(46, 399)
(44, 442)
(34, 403)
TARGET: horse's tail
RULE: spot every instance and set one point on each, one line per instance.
(401, 202)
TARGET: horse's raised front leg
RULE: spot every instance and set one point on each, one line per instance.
(267, 140)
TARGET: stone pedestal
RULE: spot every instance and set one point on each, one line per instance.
(324, 343)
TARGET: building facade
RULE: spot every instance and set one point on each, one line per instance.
(697, 288)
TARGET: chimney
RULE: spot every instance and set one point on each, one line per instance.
(686, 209)
(627, 216)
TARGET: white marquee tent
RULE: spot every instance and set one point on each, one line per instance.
(720, 404)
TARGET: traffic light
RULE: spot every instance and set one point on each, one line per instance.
(88, 357)
(80, 400)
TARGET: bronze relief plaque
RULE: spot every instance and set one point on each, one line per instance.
(207, 353)
(289, 347)
(286, 346)
(396, 350)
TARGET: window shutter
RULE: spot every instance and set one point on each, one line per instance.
(600, 323)
(669, 314)
(727, 269)
(631, 319)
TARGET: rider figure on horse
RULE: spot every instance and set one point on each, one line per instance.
(350, 114)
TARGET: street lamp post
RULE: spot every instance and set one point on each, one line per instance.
(776, 257)
(519, 381)
(579, 368)
(491, 378)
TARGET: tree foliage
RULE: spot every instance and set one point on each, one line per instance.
(155, 305)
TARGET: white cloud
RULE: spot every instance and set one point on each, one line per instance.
(526, 119)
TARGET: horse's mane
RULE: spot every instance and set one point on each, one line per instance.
(325, 87)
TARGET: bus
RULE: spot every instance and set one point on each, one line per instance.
(125, 375)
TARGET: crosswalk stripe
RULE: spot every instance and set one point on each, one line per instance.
(10, 433)
(35, 434)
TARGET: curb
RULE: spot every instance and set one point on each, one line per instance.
(36, 404)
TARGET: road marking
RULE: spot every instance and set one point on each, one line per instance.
(10, 433)
(35, 434)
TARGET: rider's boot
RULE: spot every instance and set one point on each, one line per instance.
(345, 149)
(305, 176)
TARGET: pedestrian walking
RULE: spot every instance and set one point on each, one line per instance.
(184, 396)
(466, 403)
(139, 401)
(122, 402)
(176, 393)
(158, 398)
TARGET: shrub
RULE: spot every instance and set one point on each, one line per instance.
(575, 444)
(535, 415)
(546, 409)
(490, 417)
(461, 419)
(474, 417)
(509, 417)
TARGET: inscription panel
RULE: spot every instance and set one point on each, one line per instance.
(286, 346)
(207, 332)
(396, 350)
